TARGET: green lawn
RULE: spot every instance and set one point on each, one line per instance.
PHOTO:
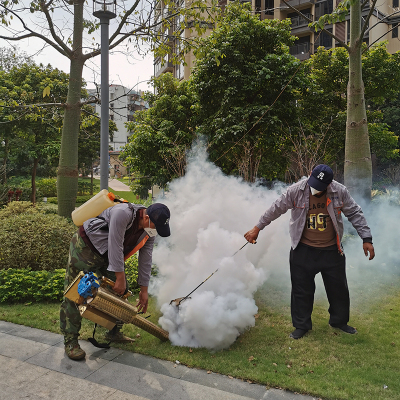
(325, 363)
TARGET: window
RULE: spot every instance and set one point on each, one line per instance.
(269, 7)
(111, 117)
(395, 30)
(395, 4)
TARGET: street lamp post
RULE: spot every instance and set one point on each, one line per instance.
(104, 10)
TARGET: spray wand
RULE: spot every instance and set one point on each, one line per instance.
(179, 300)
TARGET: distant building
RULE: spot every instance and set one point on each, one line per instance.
(383, 26)
(123, 104)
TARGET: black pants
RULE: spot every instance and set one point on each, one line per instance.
(305, 263)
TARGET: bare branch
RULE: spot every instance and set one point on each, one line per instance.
(32, 34)
(365, 26)
(49, 20)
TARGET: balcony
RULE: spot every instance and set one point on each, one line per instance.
(301, 50)
(298, 3)
(299, 21)
(161, 69)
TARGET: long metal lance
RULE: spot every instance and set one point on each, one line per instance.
(184, 298)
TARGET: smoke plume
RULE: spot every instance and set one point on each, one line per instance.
(210, 212)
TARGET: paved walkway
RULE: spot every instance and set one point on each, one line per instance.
(33, 366)
(115, 184)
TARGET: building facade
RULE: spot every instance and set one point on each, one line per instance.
(123, 104)
(383, 26)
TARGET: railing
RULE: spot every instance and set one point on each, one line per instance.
(301, 48)
(300, 21)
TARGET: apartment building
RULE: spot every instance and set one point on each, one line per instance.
(123, 104)
(383, 26)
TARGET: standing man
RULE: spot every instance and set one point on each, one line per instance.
(316, 231)
(101, 245)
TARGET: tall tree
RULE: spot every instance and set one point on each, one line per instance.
(329, 75)
(23, 90)
(89, 139)
(163, 134)
(358, 163)
(65, 26)
(247, 86)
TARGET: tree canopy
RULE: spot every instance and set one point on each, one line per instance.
(162, 135)
(247, 85)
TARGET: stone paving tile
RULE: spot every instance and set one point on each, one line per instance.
(275, 394)
(17, 374)
(19, 348)
(36, 335)
(7, 326)
(54, 358)
(192, 391)
(151, 364)
(133, 380)
(223, 382)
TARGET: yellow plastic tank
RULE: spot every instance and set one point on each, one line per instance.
(93, 207)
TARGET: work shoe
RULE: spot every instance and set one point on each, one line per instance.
(346, 328)
(118, 337)
(298, 333)
(74, 351)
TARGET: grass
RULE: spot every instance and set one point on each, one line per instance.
(325, 363)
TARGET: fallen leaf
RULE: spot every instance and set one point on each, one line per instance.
(275, 364)
(138, 335)
(251, 358)
(190, 351)
(289, 366)
(208, 372)
(230, 377)
(256, 316)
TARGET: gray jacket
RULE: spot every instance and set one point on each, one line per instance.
(297, 199)
(118, 219)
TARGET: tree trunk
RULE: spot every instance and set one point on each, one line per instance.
(5, 159)
(67, 179)
(91, 179)
(358, 165)
(33, 180)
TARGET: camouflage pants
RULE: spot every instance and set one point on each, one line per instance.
(81, 258)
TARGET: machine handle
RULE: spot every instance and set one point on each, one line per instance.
(107, 281)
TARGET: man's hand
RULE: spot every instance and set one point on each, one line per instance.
(252, 235)
(143, 300)
(369, 248)
(120, 283)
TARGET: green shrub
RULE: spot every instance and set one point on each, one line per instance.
(131, 271)
(21, 285)
(35, 240)
(85, 187)
(47, 187)
(79, 199)
(17, 207)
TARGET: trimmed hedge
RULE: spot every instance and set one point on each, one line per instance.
(22, 285)
(34, 240)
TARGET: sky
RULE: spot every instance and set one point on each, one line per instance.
(131, 73)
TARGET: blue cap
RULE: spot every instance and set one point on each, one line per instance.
(159, 215)
(321, 177)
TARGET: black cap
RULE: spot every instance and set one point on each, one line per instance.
(321, 177)
(159, 215)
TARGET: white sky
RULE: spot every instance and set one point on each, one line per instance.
(129, 73)
(133, 73)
